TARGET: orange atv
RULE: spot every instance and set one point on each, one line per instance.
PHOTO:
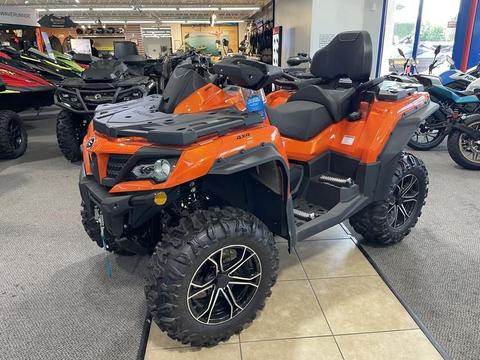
(206, 185)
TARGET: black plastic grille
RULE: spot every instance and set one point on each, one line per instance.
(115, 164)
(94, 167)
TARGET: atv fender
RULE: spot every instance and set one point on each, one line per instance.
(399, 138)
(269, 196)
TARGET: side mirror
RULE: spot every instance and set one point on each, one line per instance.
(400, 51)
(437, 49)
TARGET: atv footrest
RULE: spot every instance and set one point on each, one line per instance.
(328, 191)
(305, 211)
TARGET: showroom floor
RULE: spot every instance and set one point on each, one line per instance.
(329, 303)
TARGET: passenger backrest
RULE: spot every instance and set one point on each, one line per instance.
(349, 54)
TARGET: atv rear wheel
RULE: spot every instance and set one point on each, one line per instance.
(71, 128)
(210, 275)
(388, 221)
(465, 151)
(13, 136)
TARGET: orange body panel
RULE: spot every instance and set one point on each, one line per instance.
(363, 139)
(278, 97)
(211, 97)
(195, 161)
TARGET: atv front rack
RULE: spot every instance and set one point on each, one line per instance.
(172, 129)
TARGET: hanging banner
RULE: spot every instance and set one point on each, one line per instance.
(18, 15)
(277, 45)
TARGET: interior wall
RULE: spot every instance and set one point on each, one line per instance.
(296, 19)
(331, 17)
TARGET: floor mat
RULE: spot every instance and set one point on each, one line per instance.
(56, 301)
(435, 269)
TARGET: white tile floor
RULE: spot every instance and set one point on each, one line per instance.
(329, 303)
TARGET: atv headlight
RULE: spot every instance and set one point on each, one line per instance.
(158, 171)
(131, 95)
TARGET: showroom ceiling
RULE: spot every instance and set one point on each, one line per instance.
(146, 11)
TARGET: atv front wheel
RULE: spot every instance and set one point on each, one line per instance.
(210, 275)
(388, 221)
(71, 128)
(465, 151)
(13, 136)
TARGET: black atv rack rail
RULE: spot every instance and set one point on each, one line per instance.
(170, 129)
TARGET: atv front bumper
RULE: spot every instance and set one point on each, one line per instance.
(119, 211)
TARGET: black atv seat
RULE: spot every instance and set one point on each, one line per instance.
(300, 120)
(337, 102)
(313, 108)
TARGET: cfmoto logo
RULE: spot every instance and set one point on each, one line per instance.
(90, 142)
(98, 96)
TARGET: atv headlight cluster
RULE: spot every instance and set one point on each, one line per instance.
(130, 95)
(159, 171)
(69, 99)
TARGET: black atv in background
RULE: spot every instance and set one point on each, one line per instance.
(126, 77)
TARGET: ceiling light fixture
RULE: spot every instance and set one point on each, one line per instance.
(198, 9)
(41, 10)
(113, 9)
(198, 21)
(158, 9)
(141, 22)
(69, 9)
(229, 21)
(84, 21)
(242, 8)
(173, 21)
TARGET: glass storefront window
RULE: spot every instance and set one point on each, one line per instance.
(439, 20)
(399, 33)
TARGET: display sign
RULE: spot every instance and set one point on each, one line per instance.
(18, 15)
(52, 21)
(277, 45)
(156, 32)
(81, 46)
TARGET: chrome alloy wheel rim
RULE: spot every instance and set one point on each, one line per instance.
(224, 284)
(470, 148)
(404, 201)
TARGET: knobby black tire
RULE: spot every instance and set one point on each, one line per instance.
(92, 228)
(7, 151)
(177, 256)
(372, 222)
(453, 145)
(70, 132)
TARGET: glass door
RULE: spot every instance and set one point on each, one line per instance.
(400, 26)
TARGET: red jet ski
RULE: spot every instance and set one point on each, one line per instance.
(19, 90)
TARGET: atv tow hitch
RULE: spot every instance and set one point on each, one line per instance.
(101, 223)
